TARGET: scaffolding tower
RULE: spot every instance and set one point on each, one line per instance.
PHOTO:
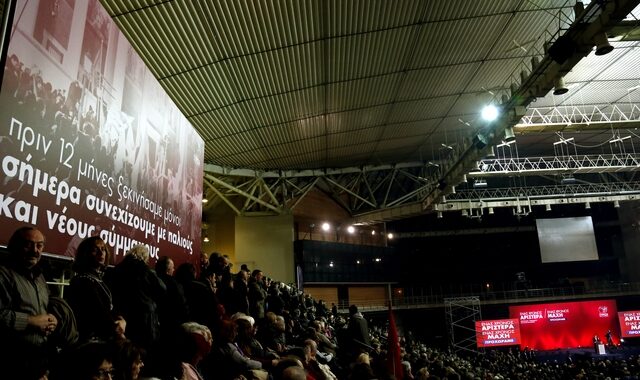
(462, 313)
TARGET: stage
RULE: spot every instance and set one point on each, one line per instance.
(582, 353)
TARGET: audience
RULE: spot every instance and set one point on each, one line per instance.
(297, 338)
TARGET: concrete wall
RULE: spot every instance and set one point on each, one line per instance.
(265, 243)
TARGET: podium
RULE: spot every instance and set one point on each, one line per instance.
(600, 350)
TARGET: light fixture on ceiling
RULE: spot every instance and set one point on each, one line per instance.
(568, 179)
(559, 88)
(490, 112)
(492, 152)
(439, 215)
(465, 212)
(206, 238)
(509, 135)
(490, 211)
(390, 236)
(616, 204)
(326, 226)
(205, 200)
(351, 229)
(547, 207)
(478, 183)
(602, 44)
(587, 205)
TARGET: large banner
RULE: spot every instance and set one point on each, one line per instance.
(91, 144)
(498, 332)
(629, 324)
(565, 325)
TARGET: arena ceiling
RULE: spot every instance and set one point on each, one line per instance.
(338, 90)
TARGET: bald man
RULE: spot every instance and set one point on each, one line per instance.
(25, 323)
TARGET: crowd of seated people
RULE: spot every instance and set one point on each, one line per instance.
(133, 322)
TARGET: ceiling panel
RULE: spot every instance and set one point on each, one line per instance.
(287, 84)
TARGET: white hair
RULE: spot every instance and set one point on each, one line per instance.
(139, 251)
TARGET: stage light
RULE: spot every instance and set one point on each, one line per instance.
(509, 136)
(326, 226)
(491, 211)
(587, 205)
(390, 236)
(373, 232)
(559, 87)
(439, 215)
(616, 204)
(205, 200)
(331, 264)
(602, 44)
(490, 112)
(378, 259)
(357, 261)
(547, 207)
(351, 229)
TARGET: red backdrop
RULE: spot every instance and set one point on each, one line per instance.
(565, 325)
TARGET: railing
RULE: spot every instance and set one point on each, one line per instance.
(565, 293)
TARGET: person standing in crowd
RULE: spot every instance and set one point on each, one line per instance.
(358, 332)
(173, 307)
(25, 323)
(257, 295)
(88, 295)
(241, 292)
(136, 291)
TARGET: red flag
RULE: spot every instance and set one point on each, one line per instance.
(394, 364)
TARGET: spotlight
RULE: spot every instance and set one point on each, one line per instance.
(602, 44)
(331, 264)
(351, 229)
(390, 236)
(559, 87)
(206, 239)
(490, 113)
(326, 226)
(616, 204)
(439, 215)
(465, 212)
(547, 207)
(205, 200)
(491, 211)
(373, 232)
(509, 135)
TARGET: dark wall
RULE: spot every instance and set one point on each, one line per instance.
(495, 258)
(336, 262)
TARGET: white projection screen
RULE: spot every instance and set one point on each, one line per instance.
(566, 239)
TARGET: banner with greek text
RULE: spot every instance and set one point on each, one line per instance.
(565, 325)
(498, 332)
(629, 324)
(91, 144)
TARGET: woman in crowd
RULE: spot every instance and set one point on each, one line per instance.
(136, 292)
(89, 296)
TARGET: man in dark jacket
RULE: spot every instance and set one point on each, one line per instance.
(257, 295)
(25, 323)
(358, 332)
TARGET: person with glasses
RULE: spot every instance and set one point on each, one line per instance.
(25, 322)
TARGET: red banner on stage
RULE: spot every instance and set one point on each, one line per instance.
(565, 325)
(499, 332)
(629, 324)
